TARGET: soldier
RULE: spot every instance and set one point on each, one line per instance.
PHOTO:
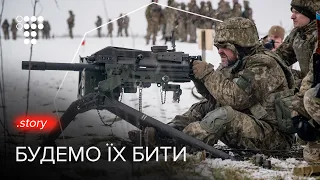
(182, 23)
(70, 22)
(110, 28)
(210, 13)
(300, 43)
(14, 29)
(247, 13)
(46, 29)
(170, 19)
(202, 11)
(36, 30)
(153, 15)
(275, 37)
(120, 26)
(237, 9)
(299, 46)
(98, 23)
(224, 10)
(239, 108)
(5, 29)
(192, 22)
(126, 25)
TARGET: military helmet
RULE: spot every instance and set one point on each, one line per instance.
(277, 31)
(237, 30)
(306, 7)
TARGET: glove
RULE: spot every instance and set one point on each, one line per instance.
(201, 69)
(304, 129)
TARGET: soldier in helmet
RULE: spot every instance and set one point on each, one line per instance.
(238, 108)
(182, 23)
(120, 25)
(202, 11)
(299, 47)
(98, 23)
(70, 22)
(170, 16)
(210, 13)
(192, 21)
(237, 9)
(14, 29)
(110, 28)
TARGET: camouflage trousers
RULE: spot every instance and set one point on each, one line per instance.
(312, 104)
(182, 31)
(152, 29)
(209, 124)
(311, 153)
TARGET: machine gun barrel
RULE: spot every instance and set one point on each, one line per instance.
(38, 65)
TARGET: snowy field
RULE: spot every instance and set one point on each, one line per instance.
(44, 96)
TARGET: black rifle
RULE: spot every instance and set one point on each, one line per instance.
(113, 70)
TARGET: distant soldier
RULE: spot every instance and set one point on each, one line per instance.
(276, 36)
(46, 30)
(192, 21)
(36, 30)
(126, 21)
(237, 9)
(110, 28)
(224, 10)
(14, 29)
(5, 29)
(202, 11)
(182, 23)
(70, 22)
(247, 13)
(98, 24)
(170, 18)
(120, 25)
(153, 14)
(210, 13)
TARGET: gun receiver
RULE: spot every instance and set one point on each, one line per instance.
(112, 70)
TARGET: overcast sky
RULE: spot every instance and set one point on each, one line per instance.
(265, 13)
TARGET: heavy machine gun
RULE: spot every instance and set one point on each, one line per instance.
(111, 71)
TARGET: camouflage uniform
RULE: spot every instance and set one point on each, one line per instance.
(170, 19)
(5, 29)
(120, 26)
(98, 23)
(239, 108)
(182, 23)
(70, 22)
(46, 30)
(247, 13)
(153, 14)
(202, 11)
(14, 29)
(237, 9)
(224, 10)
(192, 21)
(126, 25)
(210, 13)
(110, 28)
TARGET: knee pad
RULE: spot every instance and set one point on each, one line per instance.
(215, 120)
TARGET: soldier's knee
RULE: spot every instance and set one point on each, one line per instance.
(215, 121)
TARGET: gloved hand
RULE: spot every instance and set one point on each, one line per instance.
(304, 129)
(201, 69)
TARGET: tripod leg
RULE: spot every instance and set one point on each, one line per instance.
(82, 105)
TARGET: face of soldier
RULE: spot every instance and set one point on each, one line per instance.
(228, 57)
(277, 41)
(299, 20)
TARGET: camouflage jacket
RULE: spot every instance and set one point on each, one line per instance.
(299, 46)
(153, 13)
(249, 89)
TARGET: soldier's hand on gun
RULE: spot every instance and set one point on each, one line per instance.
(201, 69)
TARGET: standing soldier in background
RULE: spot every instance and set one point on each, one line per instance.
(98, 24)
(70, 22)
(202, 11)
(170, 19)
(192, 21)
(120, 25)
(126, 25)
(210, 13)
(5, 29)
(224, 10)
(153, 15)
(14, 29)
(275, 37)
(182, 23)
(110, 28)
(247, 13)
(237, 9)
(46, 30)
